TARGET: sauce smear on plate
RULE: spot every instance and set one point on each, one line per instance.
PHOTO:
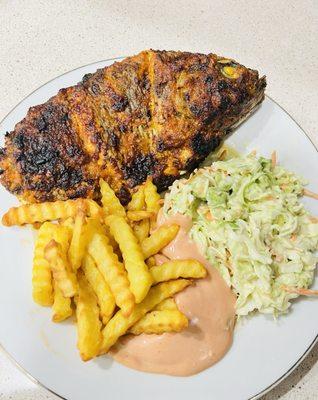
(209, 304)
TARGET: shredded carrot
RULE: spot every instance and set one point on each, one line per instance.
(161, 202)
(253, 153)
(209, 216)
(305, 292)
(274, 158)
(279, 258)
(309, 193)
(293, 237)
(283, 186)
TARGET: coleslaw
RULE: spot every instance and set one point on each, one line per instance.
(250, 225)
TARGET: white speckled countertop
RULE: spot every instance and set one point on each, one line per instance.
(42, 39)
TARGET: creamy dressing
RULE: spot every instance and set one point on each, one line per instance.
(209, 304)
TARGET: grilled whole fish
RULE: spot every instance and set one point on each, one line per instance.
(159, 114)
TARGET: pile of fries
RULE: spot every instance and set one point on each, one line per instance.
(97, 262)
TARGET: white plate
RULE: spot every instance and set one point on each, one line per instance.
(264, 351)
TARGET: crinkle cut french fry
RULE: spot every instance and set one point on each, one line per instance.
(158, 322)
(68, 222)
(167, 304)
(177, 269)
(138, 272)
(113, 272)
(62, 235)
(137, 201)
(42, 285)
(104, 295)
(48, 211)
(152, 197)
(120, 324)
(112, 241)
(61, 270)
(88, 323)
(141, 229)
(160, 238)
(92, 209)
(78, 242)
(151, 262)
(94, 226)
(152, 200)
(139, 215)
(110, 201)
(62, 308)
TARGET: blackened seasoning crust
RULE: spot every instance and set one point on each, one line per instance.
(157, 113)
(203, 146)
(138, 169)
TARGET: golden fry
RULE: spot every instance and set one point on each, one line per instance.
(113, 272)
(158, 322)
(167, 304)
(68, 222)
(92, 209)
(94, 226)
(61, 270)
(111, 203)
(78, 243)
(49, 211)
(62, 235)
(88, 323)
(160, 238)
(152, 197)
(177, 269)
(138, 272)
(42, 287)
(112, 241)
(104, 295)
(139, 215)
(151, 262)
(137, 201)
(61, 308)
(152, 200)
(120, 324)
(141, 229)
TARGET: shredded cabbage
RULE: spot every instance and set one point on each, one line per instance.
(249, 223)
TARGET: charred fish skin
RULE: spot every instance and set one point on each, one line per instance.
(158, 113)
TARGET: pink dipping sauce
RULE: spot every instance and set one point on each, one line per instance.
(209, 304)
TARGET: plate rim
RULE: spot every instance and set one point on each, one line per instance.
(254, 397)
